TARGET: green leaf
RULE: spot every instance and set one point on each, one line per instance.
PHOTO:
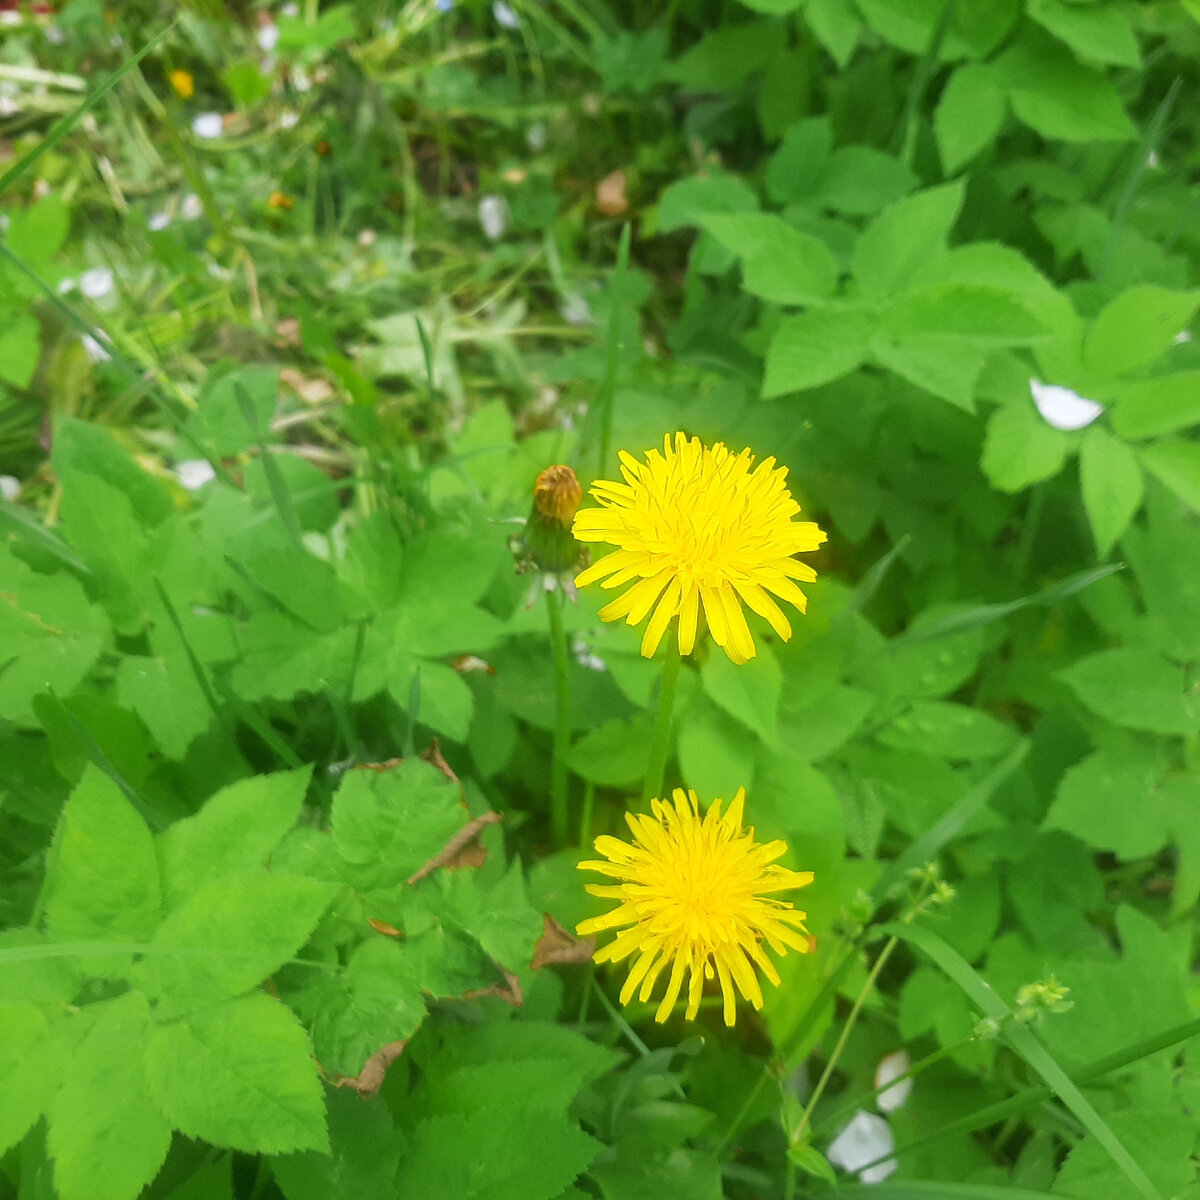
(49, 636)
(948, 368)
(363, 1154)
(1157, 406)
(164, 692)
(20, 348)
(1096, 31)
(1112, 801)
(29, 1071)
(615, 753)
(107, 1136)
(715, 756)
(815, 348)
(795, 170)
(1162, 1141)
(219, 422)
(387, 823)
(836, 26)
(950, 731)
(904, 237)
(235, 831)
(968, 115)
(1112, 486)
(986, 315)
(689, 200)
(239, 1074)
(779, 263)
(82, 447)
(103, 878)
(775, 7)
(860, 180)
(229, 935)
(1020, 448)
(499, 1165)
(1176, 464)
(749, 693)
(1136, 328)
(37, 233)
(1135, 688)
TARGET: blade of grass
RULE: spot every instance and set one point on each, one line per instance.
(22, 526)
(612, 349)
(64, 125)
(1021, 1038)
(914, 1189)
(279, 493)
(874, 577)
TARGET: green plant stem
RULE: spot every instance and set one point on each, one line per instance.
(585, 818)
(559, 818)
(660, 747)
(861, 999)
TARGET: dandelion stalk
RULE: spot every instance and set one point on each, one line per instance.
(660, 746)
(559, 817)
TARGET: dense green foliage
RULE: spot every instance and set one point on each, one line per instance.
(285, 340)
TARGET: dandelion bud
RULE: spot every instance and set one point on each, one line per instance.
(548, 542)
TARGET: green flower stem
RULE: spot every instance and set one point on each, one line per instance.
(559, 823)
(660, 747)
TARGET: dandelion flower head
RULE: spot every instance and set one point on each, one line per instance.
(698, 526)
(696, 896)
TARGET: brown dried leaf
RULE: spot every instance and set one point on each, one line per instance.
(370, 1079)
(610, 194)
(310, 388)
(510, 994)
(557, 945)
(459, 850)
(432, 754)
(384, 928)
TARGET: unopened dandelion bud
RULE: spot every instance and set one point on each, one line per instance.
(548, 539)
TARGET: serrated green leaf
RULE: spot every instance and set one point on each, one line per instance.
(688, 200)
(860, 180)
(950, 731)
(229, 935)
(1097, 31)
(945, 367)
(239, 1074)
(29, 1071)
(1136, 328)
(715, 755)
(163, 690)
(1157, 406)
(968, 115)
(103, 878)
(1111, 477)
(1176, 464)
(903, 237)
(49, 636)
(1020, 448)
(983, 314)
(795, 170)
(20, 348)
(836, 26)
(499, 1165)
(219, 421)
(614, 754)
(1135, 688)
(107, 1136)
(748, 692)
(815, 348)
(235, 830)
(779, 263)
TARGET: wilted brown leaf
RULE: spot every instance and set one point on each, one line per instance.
(610, 194)
(370, 1079)
(557, 945)
(462, 850)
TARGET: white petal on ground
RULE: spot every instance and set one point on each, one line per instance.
(94, 350)
(195, 473)
(493, 216)
(268, 35)
(10, 486)
(96, 283)
(891, 1065)
(866, 1138)
(1063, 408)
(505, 16)
(208, 125)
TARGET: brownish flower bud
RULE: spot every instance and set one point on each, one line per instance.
(547, 543)
(557, 494)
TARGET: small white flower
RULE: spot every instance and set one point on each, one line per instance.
(493, 216)
(195, 473)
(301, 79)
(535, 137)
(1152, 159)
(890, 1066)
(68, 285)
(505, 17)
(367, 238)
(583, 655)
(290, 9)
(157, 222)
(866, 1138)
(1063, 408)
(208, 125)
(1182, 337)
(289, 118)
(8, 103)
(10, 17)
(192, 208)
(54, 34)
(575, 310)
(96, 283)
(10, 487)
(268, 35)
(95, 351)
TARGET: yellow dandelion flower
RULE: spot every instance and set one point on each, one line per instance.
(183, 83)
(698, 526)
(693, 897)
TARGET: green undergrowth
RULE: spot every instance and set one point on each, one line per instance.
(285, 908)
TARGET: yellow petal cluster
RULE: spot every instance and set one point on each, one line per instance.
(695, 896)
(697, 526)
